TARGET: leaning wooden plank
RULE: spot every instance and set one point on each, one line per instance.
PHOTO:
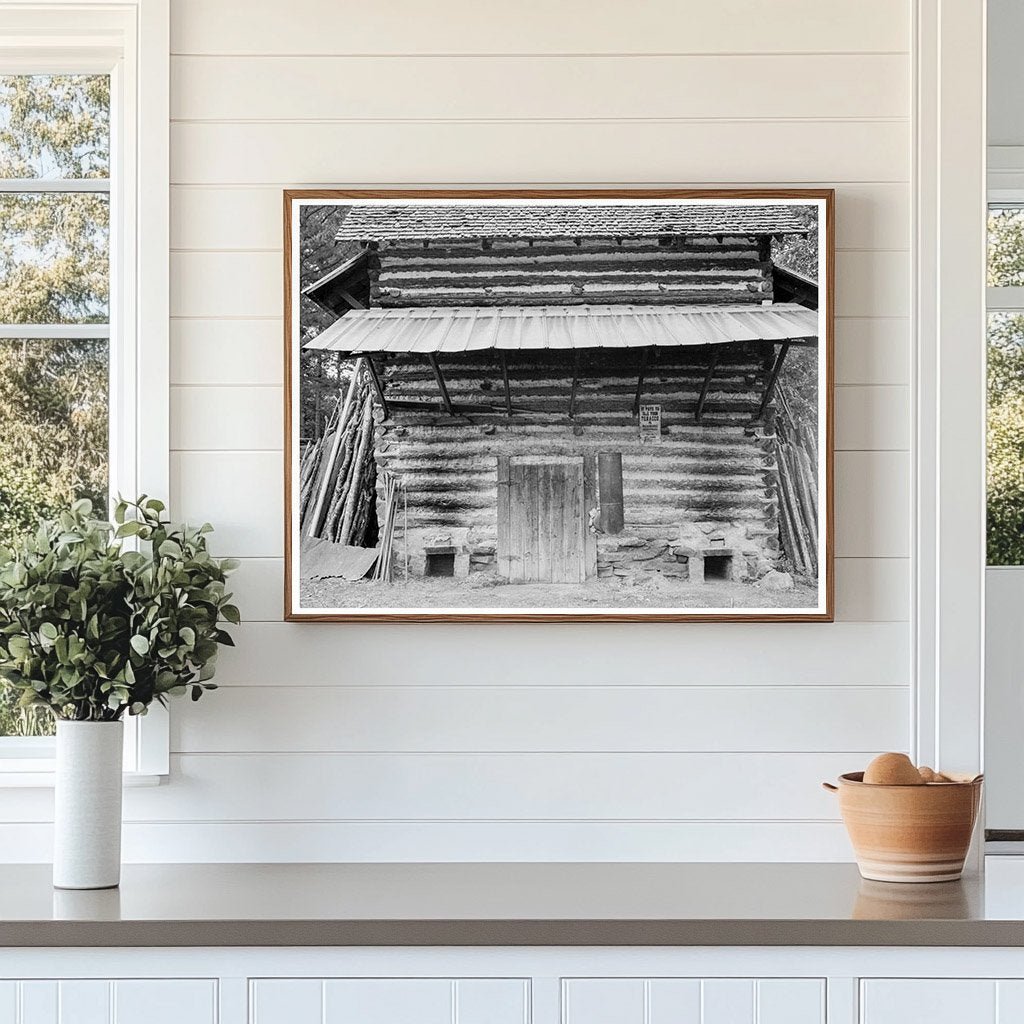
(366, 431)
(808, 482)
(392, 520)
(383, 570)
(322, 559)
(503, 513)
(808, 518)
(790, 545)
(802, 554)
(590, 505)
(328, 477)
(339, 495)
(785, 529)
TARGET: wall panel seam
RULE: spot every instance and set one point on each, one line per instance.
(264, 250)
(227, 822)
(218, 186)
(362, 121)
(532, 55)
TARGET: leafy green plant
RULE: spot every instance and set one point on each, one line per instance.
(91, 629)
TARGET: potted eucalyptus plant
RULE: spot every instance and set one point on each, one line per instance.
(99, 620)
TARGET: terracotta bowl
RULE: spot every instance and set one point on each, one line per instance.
(909, 833)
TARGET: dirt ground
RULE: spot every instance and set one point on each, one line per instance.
(487, 590)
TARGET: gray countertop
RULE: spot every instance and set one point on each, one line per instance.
(508, 904)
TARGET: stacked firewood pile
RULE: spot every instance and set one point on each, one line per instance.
(338, 479)
(796, 455)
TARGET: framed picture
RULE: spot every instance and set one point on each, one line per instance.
(559, 405)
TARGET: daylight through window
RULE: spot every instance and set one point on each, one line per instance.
(54, 307)
(1006, 385)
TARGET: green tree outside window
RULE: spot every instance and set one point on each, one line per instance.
(54, 270)
(1005, 483)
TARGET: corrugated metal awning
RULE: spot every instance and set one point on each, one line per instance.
(454, 329)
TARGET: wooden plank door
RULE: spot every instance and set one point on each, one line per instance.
(542, 522)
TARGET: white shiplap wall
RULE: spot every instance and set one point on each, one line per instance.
(661, 741)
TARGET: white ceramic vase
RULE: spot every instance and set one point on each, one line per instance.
(87, 811)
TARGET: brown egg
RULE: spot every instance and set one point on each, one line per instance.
(954, 777)
(892, 770)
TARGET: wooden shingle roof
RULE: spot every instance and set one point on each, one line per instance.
(367, 222)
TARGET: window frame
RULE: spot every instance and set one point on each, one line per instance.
(130, 41)
(1004, 298)
(948, 404)
(1003, 719)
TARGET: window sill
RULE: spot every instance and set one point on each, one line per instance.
(36, 773)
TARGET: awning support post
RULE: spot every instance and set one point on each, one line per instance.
(378, 387)
(644, 356)
(445, 398)
(712, 365)
(772, 380)
(575, 383)
(504, 377)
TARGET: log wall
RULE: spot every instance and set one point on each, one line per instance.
(674, 270)
(713, 480)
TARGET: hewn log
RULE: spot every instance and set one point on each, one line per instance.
(336, 508)
(482, 278)
(570, 295)
(366, 432)
(485, 518)
(785, 532)
(808, 477)
(802, 556)
(329, 476)
(596, 249)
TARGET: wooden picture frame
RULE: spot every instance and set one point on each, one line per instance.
(355, 286)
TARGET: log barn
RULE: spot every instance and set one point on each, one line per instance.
(570, 391)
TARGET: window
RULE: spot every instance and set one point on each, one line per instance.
(1005, 487)
(54, 308)
(84, 124)
(1004, 578)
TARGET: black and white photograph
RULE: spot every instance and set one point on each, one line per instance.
(563, 406)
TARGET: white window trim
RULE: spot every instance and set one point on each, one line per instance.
(949, 446)
(1005, 299)
(131, 41)
(1004, 719)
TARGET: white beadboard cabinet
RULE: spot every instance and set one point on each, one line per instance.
(953, 1001)
(513, 985)
(696, 1000)
(389, 1001)
(106, 1001)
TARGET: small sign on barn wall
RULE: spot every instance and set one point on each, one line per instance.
(650, 424)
